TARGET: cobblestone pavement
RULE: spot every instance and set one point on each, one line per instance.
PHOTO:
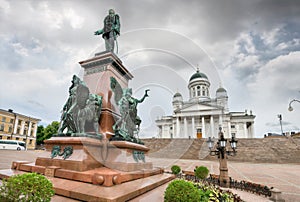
(284, 177)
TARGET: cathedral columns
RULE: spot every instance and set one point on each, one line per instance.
(220, 120)
(193, 135)
(245, 130)
(203, 127)
(229, 129)
(177, 127)
(212, 126)
(185, 128)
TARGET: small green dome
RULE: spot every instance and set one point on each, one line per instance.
(177, 95)
(221, 90)
(198, 74)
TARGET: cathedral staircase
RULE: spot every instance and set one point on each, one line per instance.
(260, 150)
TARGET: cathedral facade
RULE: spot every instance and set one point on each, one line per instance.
(202, 116)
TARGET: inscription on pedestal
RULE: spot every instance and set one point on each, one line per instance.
(50, 171)
(95, 70)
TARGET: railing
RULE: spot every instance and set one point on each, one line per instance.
(251, 187)
(242, 185)
(234, 184)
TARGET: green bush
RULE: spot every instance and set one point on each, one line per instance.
(213, 193)
(175, 169)
(182, 191)
(26, 187)
(201, 172)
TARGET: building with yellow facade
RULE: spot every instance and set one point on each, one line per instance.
(15, 126)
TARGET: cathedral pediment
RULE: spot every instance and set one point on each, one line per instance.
(197, 107)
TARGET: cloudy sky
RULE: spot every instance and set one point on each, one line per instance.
(251, 48)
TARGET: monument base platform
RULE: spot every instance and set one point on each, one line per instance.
(90, 169)
(90, 192)
(91, 160)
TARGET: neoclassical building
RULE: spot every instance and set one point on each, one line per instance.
(15, 126)
(202, 115)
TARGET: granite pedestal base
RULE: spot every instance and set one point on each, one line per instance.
(93, 161)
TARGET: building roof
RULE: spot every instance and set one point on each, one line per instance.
(12, 113)
(221, 90)
(177, 95)
(198, 74)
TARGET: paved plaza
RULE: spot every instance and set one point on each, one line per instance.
(284, 177)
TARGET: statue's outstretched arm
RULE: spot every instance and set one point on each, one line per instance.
(98, 32)
(145, 95)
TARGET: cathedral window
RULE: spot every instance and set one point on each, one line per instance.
(194, 93)
(198, 90)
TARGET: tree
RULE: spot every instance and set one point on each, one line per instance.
(40, 134)
(46, 133)
(51, 129)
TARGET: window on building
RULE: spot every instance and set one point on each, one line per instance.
(198, 90)
(203, 92)
(18, 131)
(10, 129)
(199, 130)
(2, 127)
(20, 122)
(232, 126)
(8, 138)
(194, 93)
(11, 120)
(24, 139)
(3, 119)
(0, 137)
(17, 138)
(30, 141)
(25, 132)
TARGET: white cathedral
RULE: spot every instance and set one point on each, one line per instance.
(202, 116)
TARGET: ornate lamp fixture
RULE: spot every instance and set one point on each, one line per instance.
(290, 104)
(221, 150)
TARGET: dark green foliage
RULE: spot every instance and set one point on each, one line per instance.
(175, 169)
(182, 191)
(51, 129)
(201, 172)
(40, 134)
(46, 133)
(213, 193)
(26, 187)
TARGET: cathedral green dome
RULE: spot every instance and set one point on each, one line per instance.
(177, 95)
(221, 90)
(198, 74)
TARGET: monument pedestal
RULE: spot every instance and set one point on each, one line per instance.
(93, 161)
(97, 73)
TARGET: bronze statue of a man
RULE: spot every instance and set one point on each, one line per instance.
(110, 30)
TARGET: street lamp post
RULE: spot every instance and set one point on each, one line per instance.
(222, 152)
(280, 121)
(290, 104)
